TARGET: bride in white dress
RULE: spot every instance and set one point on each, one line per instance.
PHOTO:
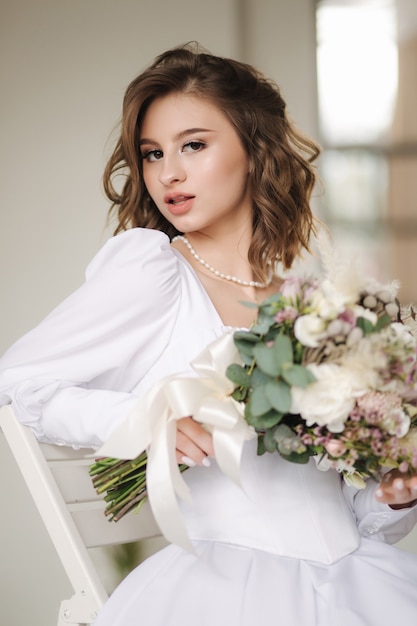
(207, 151)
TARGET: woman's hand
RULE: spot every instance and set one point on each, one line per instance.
(194, 443)
(397, 490)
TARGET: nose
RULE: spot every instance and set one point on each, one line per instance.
(172, 171)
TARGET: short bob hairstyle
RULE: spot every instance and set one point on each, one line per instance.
(282, 176)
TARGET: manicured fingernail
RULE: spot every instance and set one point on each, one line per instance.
(399, 484)
(187, 461)
(206, 462)
(379, 493)
(413, 487)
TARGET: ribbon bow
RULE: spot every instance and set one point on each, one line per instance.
(151, 426)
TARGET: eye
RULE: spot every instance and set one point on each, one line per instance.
(193, 146)
(152, 155)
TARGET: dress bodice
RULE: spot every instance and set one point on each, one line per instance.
(282, 507)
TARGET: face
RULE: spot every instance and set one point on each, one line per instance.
(194, 165)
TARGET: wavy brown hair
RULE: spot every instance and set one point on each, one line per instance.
(282, 175)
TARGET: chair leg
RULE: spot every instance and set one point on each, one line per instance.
(80, 610)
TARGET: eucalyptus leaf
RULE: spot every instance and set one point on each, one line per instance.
(247, 359)
(270, 309)
(279, 395)
(240, 394)
(261, 422)
(268, 420)
(260, 378)
(298, 376)
(238, 375)
(297, 457)
(269, 441)
(266, 359)
(245, 335)
(283, 351)
(263, 325)
(260, 403)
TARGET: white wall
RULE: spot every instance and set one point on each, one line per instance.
(64, 67)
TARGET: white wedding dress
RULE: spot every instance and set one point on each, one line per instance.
(294, 546)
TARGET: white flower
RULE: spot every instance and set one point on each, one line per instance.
(403, 334)
(364, 361)
(291, 288)
(367, 314)
(326, 301)
(354, 479)
(362, 373)
(309, 329)
(329, 400)
(323, 463)
(396, 422)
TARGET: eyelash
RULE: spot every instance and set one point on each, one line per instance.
(149, 155)
(200, 145)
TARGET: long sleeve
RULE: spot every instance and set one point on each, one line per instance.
(71, 378)
(376, 520)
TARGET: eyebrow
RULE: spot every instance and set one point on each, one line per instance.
(180, 135)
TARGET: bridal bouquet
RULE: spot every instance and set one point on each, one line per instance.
(332, 373)
(328, 370)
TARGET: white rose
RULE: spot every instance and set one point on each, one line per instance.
(309, 329)
(326, 402)
(361, 375)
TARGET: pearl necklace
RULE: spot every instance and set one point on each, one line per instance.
(233, 279)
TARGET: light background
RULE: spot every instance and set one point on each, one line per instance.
(64, 66)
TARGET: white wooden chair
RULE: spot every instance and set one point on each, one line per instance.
(58, 480)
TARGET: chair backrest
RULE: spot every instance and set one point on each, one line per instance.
(73, 514)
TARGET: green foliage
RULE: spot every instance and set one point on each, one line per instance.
(298, 376)
(238, 375)
(279, 395)
(365, 325)
(271, 366)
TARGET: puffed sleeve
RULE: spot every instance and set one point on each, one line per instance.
(71, 378)
(376, 520)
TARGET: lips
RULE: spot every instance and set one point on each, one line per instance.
(178, 203)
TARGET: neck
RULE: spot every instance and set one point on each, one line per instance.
(229, 249)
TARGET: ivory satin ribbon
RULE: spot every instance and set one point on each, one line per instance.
(151, 426)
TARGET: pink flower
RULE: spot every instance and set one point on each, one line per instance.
(288, 314)
(292, 287)
(335, 447)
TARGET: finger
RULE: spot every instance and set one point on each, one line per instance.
(193, 442)
(412, 485)
(194, 431)
(188, 450)
(395, 489)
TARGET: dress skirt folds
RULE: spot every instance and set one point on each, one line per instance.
(230, 585)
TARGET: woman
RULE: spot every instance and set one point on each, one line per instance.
(216, 192)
